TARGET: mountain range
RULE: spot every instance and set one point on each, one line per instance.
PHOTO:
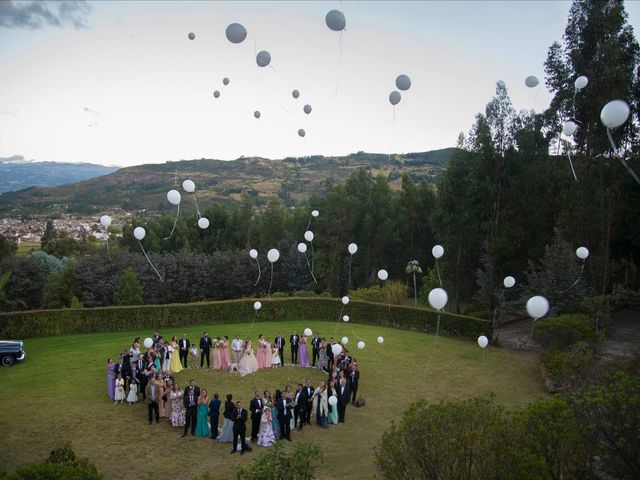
(144, 187)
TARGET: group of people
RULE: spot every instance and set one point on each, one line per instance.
(151, 375)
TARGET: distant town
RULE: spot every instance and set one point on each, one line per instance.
(30, 230)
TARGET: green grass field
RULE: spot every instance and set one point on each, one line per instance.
(58, 394)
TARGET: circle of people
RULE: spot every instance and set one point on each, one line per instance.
(151, 373)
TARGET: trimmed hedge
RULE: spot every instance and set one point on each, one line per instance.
(37, 323)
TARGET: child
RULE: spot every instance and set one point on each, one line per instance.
(119, 396)
(275, 358)
(194, 356)
(133, 391)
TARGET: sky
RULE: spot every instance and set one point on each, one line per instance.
(120, 83)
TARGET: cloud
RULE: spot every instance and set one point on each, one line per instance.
(90, 110)
(9, 113)
(39, 14)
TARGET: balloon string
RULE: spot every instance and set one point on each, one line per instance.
(339, 63)
(570, 162)
(313, 257)
(174, 224)
(438, 325)
(255, 317)
(196, 202)
(270, 281)
(264, 84)
(310, 269)
(258, 273)
(108, 253)
(349, 283)
(339, 317)
(355, 334)
(622, 160)
(576, 282)
(573, 102)
(150, 263)
(438, 270)
(308, 224)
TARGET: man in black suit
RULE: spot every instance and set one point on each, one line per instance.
(205, 349)
(255, 405)
(294, 339)
(214, 415)
(280, 343)
(190, 401)
(354, 378)
(300, 410)
(239, 419)
(308, 389)
(330, 353)
(283, 405)
(156, 338)
(343, 399)
(196, 389)
(315, 345)
(184, 345)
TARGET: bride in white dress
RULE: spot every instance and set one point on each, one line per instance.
(248, 362)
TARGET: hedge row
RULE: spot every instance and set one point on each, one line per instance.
(36, 323)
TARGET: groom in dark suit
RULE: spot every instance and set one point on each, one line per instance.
(190, 401)
(294, 339)
(255, 405)
(315, 344)
(239, 419)
(343, 399)
(280, 342)
(283, 405)
(184, 345)
(205, 349)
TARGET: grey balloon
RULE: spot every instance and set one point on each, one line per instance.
(394, 97)
(295, 94)
(256, 114)
(301, 132)
(335, 20)
(225, 81)
(192, 36)
(263, 58)
(403, 82)
(236, 33)
(307, 109)
(216, 94)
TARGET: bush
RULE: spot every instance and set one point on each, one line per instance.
(369, 294)
(275, 464)
(567, 367)
(37, 323)
(565, 330)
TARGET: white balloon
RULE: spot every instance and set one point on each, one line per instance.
(582, 253)
(345, 340)
(360, 344)
(380, 340)
(188, 186)
(302, 247)
(483, 341)
(569, 128)
(105, 220)
(301, 132)
(273, 255)
(403, 82)
(581, 82)
(308, 236)
(345, 300)
(438, 298)
(257, 305)
(192, 36)
(509, 282)
(225, 81)
(216, 94)
(614, 113)
(295, 94)
(174, 197)
(307, 109)
(203, 223)
(353, 248)
(383, 274)
(437, 251)
(236, 33)
(333, 400)
(256, 114)
(308, 332)
(345, 318)
(537, 307)
(148, 342)
(253, 253)
(139, 233)
(395, 97)
(263, 58)
(336, 349)
(315, 213)
(335, 20)
(531, 81)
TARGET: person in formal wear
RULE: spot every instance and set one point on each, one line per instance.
(184, 345)
(156, 338)
(202, 427)
(266, 438)
(132, 397)
(332, 416)
(134, 351)
(303, 353)
(194, 356)
(255, 406)
(177, 406)
(322, 357)
(217, 354)
(315, 347)
(237, 346)
(275, 357)
(248, 363)
(163, 392)
(226, 435)
(283, 405)
(343, 399)
(119, 391)
(353, 379)
(329, 350)
(153, 398)
(175, 365)
(322, 410)
(111, 379)
(239, 417)
(205, 350)
(190, 401)
(280, 343)
(294, 340)
(225, 356)
(288, 394)
(309, 390)
(268, 402)
(214, 415)
(260, 351)
(300, 401)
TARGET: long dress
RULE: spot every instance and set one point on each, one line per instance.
(111, 380)
(217, 356)
(175, 365)
(132, 397)
(333, 410)
(322, 360)
(161, 401)
(260, 354)
(322, 407)
(226, 435)
(268, 352)
(303, 355)
(119, 394)
(248, 362)
(266, 438)
(225, 357)
(177, 409)
(202, 427)
(275, 358)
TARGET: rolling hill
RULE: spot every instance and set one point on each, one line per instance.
(144, 187)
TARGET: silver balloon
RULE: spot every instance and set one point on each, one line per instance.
(394, 97)
(301, 132)
(531, 81)
(307, 109)
(256, 114)
(295, 94)
(335, 20)
(216, 94)
(192, 36)
(403, 82)
(236, 33)
(263, 58)
(225, 81)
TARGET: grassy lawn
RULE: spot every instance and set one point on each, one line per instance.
(58, 394)
(27, 247)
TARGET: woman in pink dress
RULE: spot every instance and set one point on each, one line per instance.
(217, 354)
(226, 357)
(303, 353)
(260, 352)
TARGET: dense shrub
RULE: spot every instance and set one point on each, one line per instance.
(565, 330)
(276, 464)
(567, 367)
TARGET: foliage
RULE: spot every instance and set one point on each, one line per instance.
(8, 247)
(569, 367)
(565, 330)
(129, 291)
(276, 464)
(412, 268)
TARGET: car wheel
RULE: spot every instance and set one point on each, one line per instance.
(7, 361)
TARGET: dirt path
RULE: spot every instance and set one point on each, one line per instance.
(515, 336)
(623, 336)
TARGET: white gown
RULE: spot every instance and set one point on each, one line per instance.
(248, 362)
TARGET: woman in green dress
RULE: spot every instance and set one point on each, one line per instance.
(202, 426)
(333, 409)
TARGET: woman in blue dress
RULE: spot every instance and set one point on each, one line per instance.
(202, 426)
(275, 425)
(226, 436)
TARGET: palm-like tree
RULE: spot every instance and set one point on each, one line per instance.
(412, 268)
